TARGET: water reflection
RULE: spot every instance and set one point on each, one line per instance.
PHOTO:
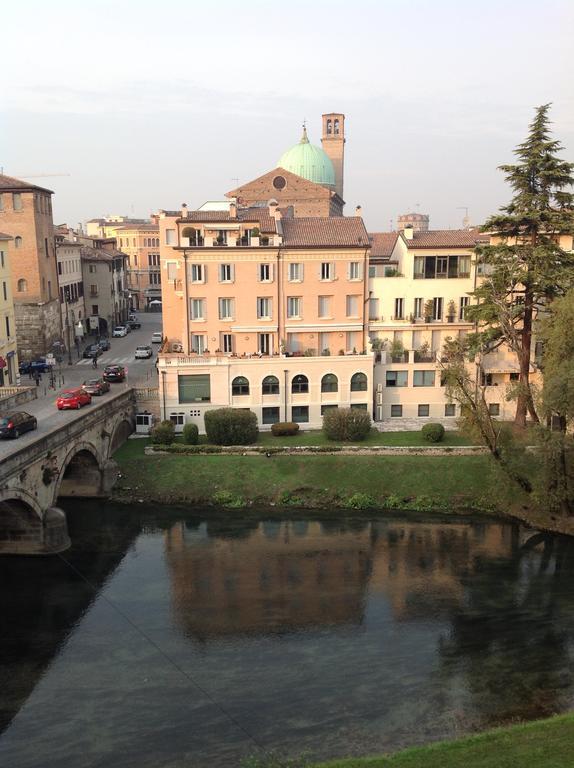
(335, 636)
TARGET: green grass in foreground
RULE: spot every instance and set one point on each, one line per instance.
(316, 437)
(542, 744)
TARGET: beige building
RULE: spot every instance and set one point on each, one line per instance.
(104, 278)
(71, 285)
(26, 215)
(8, 349)
(140, 242)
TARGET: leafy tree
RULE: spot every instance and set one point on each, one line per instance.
(525, 267)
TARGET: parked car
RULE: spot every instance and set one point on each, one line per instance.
(132, 316)
(92, 350)
(143, 353)
(96, 386)
(15, 424)
(114, 373)
(104, 344)
(120, 330)
(133, 325)
(32, 366)
(157, 337)
(73, 398)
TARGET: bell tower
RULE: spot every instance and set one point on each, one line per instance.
(333, 143)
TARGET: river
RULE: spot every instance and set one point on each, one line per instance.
(168, 638)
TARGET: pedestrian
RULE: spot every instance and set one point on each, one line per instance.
(37, 378)
(95, 361)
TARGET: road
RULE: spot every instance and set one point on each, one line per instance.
(122, 351)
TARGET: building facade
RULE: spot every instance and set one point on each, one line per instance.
(140, 242)
(104, 270)
(26, 215)
(71, 289)
(8, 348)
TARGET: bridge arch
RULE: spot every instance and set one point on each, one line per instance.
(81, 472)
(122, 430)
(26, 529)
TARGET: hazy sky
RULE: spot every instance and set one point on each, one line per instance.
(147, 105)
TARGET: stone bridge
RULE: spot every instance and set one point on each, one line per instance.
(72, 460)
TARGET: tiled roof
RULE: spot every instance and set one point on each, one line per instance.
(383, 243)
(447, 238)
(144, 227)
(257, 215)
(325, 231)
(5, 237)
(9, 183)
(99, 254)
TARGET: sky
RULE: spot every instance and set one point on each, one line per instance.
(143, 106)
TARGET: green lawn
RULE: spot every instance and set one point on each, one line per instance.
(316, 437)
(542, 744)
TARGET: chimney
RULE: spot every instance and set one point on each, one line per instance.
(408, 232)
(273, 207)
(233, 210)
(184, 210)
(358, 211)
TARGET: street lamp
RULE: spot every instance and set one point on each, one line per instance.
(69, 343)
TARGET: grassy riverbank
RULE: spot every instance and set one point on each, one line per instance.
(418, 482)
(542, 744)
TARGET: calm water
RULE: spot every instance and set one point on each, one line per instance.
(164, 638)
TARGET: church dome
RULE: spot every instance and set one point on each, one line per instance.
(308, 161)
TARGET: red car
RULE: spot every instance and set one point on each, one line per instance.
(73, 398)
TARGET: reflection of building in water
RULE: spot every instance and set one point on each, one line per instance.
(284, 577)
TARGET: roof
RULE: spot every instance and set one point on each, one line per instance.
(138, 227)
(9, 184)
(99, 254)
(3, 236)
(383, 244)
(308, 161)
(326, 231)
(447, 238)
(256, 215)
(295, 183)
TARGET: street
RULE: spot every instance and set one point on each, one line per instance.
(122, 351)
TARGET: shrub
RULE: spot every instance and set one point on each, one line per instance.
(230, 426)
(360, 501)
(190, 434)
(433, 433)
(284, 429)
(227, 499)
(346, 424)
(163, 433)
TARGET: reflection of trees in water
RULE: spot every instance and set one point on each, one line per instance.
(510, 636)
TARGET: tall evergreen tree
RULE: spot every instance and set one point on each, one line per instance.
(525, 268)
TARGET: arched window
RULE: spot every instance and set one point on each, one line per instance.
(22, 285)
(156, 244)
(18, 242)
(359, 382)
(270, 385)
(240, 386)
(336, 126)
(299, 384)
(329, 127)
(329, 383)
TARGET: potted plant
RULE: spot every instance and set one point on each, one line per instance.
(255, 236)
(428, 310)
(397, 351)
(451, 311)
(422, 354)
(341, 352)
(309, 352)
(326, 352)
(219, 240)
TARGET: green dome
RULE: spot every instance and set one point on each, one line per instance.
(308, 161)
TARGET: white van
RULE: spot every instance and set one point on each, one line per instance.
(157, 337)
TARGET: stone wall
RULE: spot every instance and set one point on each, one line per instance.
(10, 397)
(37, 328)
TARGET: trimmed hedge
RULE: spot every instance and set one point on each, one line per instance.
(163, 433)
(284, 429)
(346, 424)
(190, 434)
(433, 433)
(231, 426)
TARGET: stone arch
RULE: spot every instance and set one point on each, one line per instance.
(26, 530)
(81, 473)
(122, 430)
(25, 498)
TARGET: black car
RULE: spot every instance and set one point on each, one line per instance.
(114, 373)
(32, 366)
(96, 386)
(104, 344)
(133, 324)
(92, 350)
(17, 423)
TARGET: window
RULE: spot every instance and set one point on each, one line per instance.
(153, 259)
(279, 182)
(22, 285)
(324, 309)
(227, 342)
(299, 384)
(265, 272)
(359, 406)
(372, 271)
(172, 270)
(486, 379)
(463, 304)
(397, 379)
(396, 410)
(198, 309)
(441, 267)
(373, 309)
(7, 327)
(92, 268)
(329, 127)
(17, 201)
(515, 376)
(437, 308)
(264, 308)
(270, 415)
(154, 278)
(399, 309)
(264, 343)
(423, 378)
(239, 386)
(226, 273)
(424, 410)
(270, 385)
(450, 409)
(170, 237)
(418, 308)
(95, 309)
(327, 271)
(46, 251)
(300, 414)
(4, 291)
(194, 388)
(295, 272)
(221, 238)
(17, 242)
(355, 270)
(293, 306)
(325, 408)
(352, 306)
(359, 382)
(329, 383)
(197, 273)
(419, 268)
(494, 409)
(59, 267)
(177, 418)
(198, 343)
(226, 309)
(193, 235)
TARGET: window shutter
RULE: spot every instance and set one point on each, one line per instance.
(271, 273)
(233, 273)
(204, 272)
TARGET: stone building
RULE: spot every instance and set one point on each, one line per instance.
(26, 215)
(104, 270)
(8, 350)
(418, 222)
(71, 285)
